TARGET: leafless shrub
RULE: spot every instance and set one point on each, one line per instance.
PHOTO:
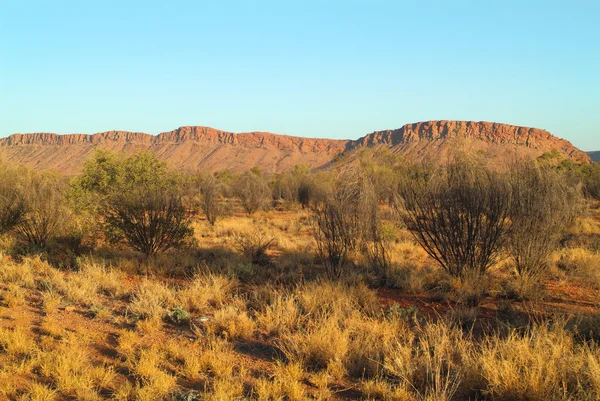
(305, 192)
(371, 231)
(543, 206)
(255, 246)
(459, 216)
(336, 225)
(149, 220)
(12, 202)
(252, 191)
(210, 192)
(45, 212)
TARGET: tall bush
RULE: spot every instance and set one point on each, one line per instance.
(45, 213)
(543, 206)
(459, 215)
(252, 191)
(142, 203)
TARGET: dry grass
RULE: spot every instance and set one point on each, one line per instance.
(150, 300)
(206, 291)
(232, 323)
(100, 333)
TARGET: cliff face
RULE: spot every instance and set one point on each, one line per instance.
(193, 148)
(489, 133)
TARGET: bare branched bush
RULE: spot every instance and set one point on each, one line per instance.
(370, 220)
(255, 246)
(305, 192)
(336, 225)
(252, 191)
(210, 203)
(459, 216)
(12, 202)
(543, 206)
(150, 221)
(45, 213)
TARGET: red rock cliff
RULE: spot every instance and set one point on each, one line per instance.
(192, 148)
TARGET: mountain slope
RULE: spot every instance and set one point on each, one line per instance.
(595, 156)
(193, 148)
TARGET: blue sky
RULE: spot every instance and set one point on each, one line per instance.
(336, 69)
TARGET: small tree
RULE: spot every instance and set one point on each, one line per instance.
(150, 220)
(543, 206)
(140, 200)
(252, 191)
(12, 202)
(306, 192)
(459, 216)
(373, 242)
(336, 225)
(210, 192)
(45, 211)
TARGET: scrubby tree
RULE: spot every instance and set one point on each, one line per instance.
(141, 201)
(210, 192)
(150, 220)
(543, 206)
(371, 232)
(252, 191)
(459, 215)
(337, 224)
(45, 212)
(12, 202)
(305, 192)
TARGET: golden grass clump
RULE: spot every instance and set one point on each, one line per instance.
(109, 281)
(50, 302)
(206, 291)
(327, 298)
(319, 346)
(284, 384)
(214, 359)
(582, 264)
(542, 364)
(20, 274)
(150, 300)
(153, 381)
(73, 373)
(39, 392)
(17, 342)
(280, 316)
(13, 296)
(232, 323)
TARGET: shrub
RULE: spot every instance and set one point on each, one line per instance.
(252, 191)
(305, 192)
(142, 202)
(459, 216)
(12, 202)
(209, 202)
(543, 206)
(255, 246)
(336, 227)
(373, 238)
(150, 221)
(45, 212)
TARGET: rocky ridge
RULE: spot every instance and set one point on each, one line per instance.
(193, 148)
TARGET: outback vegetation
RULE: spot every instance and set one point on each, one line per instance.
(385, 281)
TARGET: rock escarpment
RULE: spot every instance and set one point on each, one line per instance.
(193, 148)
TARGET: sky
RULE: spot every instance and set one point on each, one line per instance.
(336, 69)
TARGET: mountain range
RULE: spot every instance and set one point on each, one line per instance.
(192, 148)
